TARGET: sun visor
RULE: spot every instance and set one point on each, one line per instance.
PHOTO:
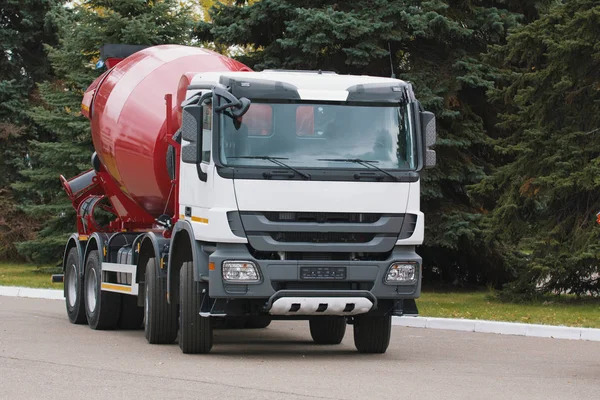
(261, 89)
(399, 92)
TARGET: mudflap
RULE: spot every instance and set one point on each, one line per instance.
(405, 307)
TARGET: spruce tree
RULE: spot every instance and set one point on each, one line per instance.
(436, 45)
(545, 196)
(24, 29)
(83, 29)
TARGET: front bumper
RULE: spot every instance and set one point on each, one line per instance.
(278, 276)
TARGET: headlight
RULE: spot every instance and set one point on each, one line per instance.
(240, 272)
(402, 273)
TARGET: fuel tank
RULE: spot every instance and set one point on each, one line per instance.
(128, 113)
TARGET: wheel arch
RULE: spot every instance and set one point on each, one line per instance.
(154, 246)
(74, 241)
(184, 247)
(180, 252)
(95, 242)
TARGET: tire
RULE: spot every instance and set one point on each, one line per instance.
(74, 289)
(195, 332)
(132, 315)
(160, 317)
(372, 334)
(102, 308)
(258, 322)
(327, 330)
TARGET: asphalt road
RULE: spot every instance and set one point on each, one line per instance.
(43, 356)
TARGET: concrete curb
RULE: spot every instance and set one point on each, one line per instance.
(17, 291)
(465, 325)
(502, 328)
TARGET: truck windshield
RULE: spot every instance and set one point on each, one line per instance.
(320, 136)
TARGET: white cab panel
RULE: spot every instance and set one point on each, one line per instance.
(209, 203)
(414, 207)
(327, 95)
(366, 197)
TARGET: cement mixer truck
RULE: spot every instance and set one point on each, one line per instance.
(218, 196)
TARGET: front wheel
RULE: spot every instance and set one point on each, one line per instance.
(327, 329)
(372, 333)
(195, 331)
(160, 316)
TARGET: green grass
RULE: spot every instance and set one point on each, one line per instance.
(28, 276)
(568, 311)
(469, 305)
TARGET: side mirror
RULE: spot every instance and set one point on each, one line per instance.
(429, 137)
(430, 158)
(191, 124)
(191, 131)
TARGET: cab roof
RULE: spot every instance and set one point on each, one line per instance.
(309, 85)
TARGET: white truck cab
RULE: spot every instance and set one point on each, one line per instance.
(300, 193)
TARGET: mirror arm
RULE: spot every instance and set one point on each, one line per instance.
(238, 106)
(196, 99)
(233, 101)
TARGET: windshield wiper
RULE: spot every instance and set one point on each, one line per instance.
(364, 163)
(277, 161)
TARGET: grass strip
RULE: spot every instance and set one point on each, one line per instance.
(554, 310)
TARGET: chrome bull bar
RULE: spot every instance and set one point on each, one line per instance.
(319, 302)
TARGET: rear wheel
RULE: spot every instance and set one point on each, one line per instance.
(372, 333)
(159, 315)
(327, 330)
(195, 332)
(102, 308)
(74, 289)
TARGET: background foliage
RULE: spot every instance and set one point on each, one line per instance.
(24, 29)
(545, 195)
(514, 84)
(65, 146)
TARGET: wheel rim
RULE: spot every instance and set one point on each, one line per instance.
(92, 289)
(72, 285)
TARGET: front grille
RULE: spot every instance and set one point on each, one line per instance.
(322, 237)
(322, 217)
(312, 256)
(315, 256)
(276, 232)
(322, 285)
(318, 256)
(408, 227)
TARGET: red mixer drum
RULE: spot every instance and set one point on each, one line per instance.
(127, 108)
